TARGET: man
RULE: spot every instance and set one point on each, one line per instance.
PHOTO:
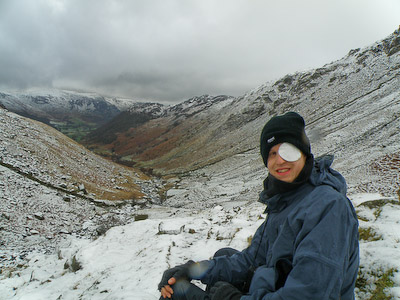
(307, 248)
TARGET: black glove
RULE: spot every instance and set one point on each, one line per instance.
(178, 272)
(224, 291)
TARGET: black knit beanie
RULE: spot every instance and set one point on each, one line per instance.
(287, 128)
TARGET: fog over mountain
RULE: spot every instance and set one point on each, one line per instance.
(169, 51)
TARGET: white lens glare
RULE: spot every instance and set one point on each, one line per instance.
(289, 152)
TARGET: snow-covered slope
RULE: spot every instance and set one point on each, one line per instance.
(42, 153)
(128, 261)
(51, 186)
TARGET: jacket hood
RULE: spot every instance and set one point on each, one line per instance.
(322, 173)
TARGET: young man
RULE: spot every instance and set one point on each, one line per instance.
(307, 248)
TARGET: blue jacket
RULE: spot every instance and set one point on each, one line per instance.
(306, 249)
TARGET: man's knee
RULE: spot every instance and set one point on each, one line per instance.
(225, 252)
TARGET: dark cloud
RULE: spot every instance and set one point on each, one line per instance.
(171, 50)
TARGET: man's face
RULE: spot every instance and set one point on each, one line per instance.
(282, 169)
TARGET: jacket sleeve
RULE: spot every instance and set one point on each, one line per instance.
(325, 236)
(236, 268)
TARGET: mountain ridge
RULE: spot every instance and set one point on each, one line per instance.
(349, 105)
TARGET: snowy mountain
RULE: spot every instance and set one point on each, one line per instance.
(55, 104)
(207, 148)
(73, 113)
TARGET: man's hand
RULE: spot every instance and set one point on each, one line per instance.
(170, 277)
(166, 291)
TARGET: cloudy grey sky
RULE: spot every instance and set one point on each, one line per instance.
(171, 50)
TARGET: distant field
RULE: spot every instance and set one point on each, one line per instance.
(76, 129)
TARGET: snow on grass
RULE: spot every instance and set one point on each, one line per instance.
(379, 246)
(128, 261)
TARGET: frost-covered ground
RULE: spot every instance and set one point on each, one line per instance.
(127, 262)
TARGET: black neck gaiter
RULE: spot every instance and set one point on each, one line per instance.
(273, 186)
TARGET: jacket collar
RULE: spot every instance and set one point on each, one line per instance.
(278, 202)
